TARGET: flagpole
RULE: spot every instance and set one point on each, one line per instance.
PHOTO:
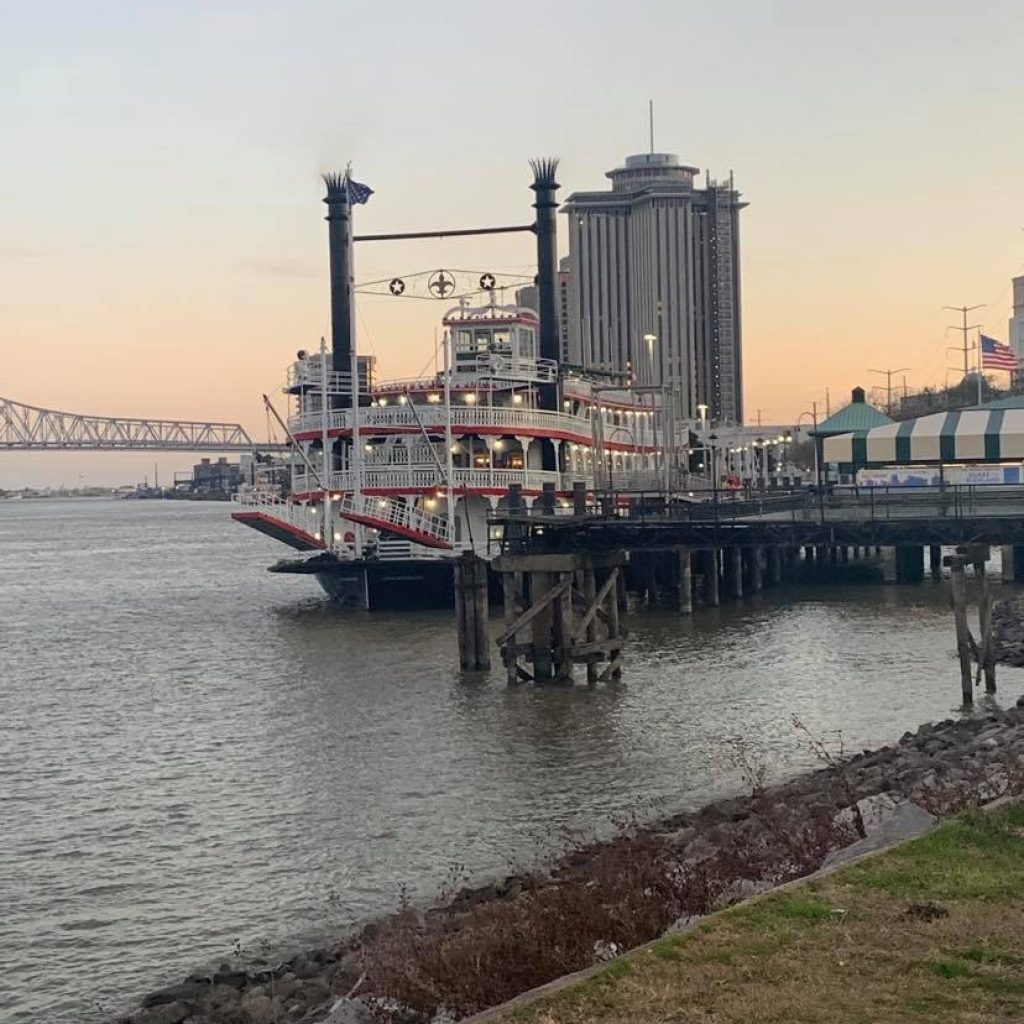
(357, 448)
(325, 448)
(980, 357)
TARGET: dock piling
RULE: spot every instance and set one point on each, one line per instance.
(685, 596)
(471, 612)
(570, 620)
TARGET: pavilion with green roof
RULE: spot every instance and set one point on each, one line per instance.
(853, 420)
(856, 418)
(988, 433)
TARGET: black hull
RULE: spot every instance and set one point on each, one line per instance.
(393, 584)
(382, 585)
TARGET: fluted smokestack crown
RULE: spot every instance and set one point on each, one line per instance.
(545, 185)
(335, 183)
(544, 169)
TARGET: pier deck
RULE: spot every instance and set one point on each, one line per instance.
(987, 514)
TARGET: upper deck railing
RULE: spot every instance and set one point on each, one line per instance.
(467, 417)
(487, 370)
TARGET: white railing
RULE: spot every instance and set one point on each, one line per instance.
(400, 516)
(638, 431)
(492, 366)
(509, 419)
(301, 517)
(420, 478)
(307, 373)
(479, 373)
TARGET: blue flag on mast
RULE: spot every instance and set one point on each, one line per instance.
(357, 192)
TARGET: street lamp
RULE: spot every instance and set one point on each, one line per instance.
(702, 412)
(712, 438)
(611, 455)
(817, 461)
(650, 339)
(814, 435)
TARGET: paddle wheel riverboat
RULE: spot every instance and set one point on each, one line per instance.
(389, 481)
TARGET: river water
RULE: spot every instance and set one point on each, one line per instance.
(195, 752)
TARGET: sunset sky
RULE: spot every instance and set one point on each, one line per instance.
(162, 247)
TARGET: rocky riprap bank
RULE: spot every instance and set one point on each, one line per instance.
(1008, 630)
(488, 944)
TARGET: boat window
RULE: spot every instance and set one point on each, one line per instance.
(483, 341)
(502, 341)
(463, 340)
(527, 343)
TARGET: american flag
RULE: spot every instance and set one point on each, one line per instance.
(357, 192)
(996, 356)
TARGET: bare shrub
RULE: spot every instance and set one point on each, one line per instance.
(835, 762)
(618, 894)
(472, 960)
(752, 767)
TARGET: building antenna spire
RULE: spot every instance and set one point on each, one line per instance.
(650, 121)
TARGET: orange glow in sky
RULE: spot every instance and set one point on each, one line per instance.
(162, 247)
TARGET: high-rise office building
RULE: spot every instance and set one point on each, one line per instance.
(654, 282)
(528, 297)
(1016, 338)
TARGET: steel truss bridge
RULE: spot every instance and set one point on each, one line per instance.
(29, 428)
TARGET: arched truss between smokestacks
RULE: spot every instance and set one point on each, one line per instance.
(28, 428)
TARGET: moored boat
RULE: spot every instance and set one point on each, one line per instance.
(387, 481)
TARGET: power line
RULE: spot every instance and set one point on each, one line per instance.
(964, 328)
(888, 384)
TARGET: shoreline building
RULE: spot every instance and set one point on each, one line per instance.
(654, 282)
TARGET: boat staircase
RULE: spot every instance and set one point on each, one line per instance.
(394, 516)
(287, 521)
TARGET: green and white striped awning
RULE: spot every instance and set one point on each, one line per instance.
(966, 435)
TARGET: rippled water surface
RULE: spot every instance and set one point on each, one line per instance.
(194, 751)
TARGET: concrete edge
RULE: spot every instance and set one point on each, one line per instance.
(570, 980)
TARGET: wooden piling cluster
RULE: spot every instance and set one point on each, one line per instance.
(970, 651)
(556, 616)
(471, 612)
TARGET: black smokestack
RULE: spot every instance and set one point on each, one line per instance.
(546, 227)
(339, 229)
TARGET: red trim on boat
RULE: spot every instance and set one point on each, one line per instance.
(279, 530)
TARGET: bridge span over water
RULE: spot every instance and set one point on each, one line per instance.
(31, 428)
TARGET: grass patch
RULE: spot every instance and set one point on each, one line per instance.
(979, 954)
(952, 969)
(785, 910)
(848, 948)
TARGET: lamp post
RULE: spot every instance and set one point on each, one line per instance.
(649, 340)
(702, 412)
(712, 438)
(817, 460)
(611, 463)
(814, 435)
